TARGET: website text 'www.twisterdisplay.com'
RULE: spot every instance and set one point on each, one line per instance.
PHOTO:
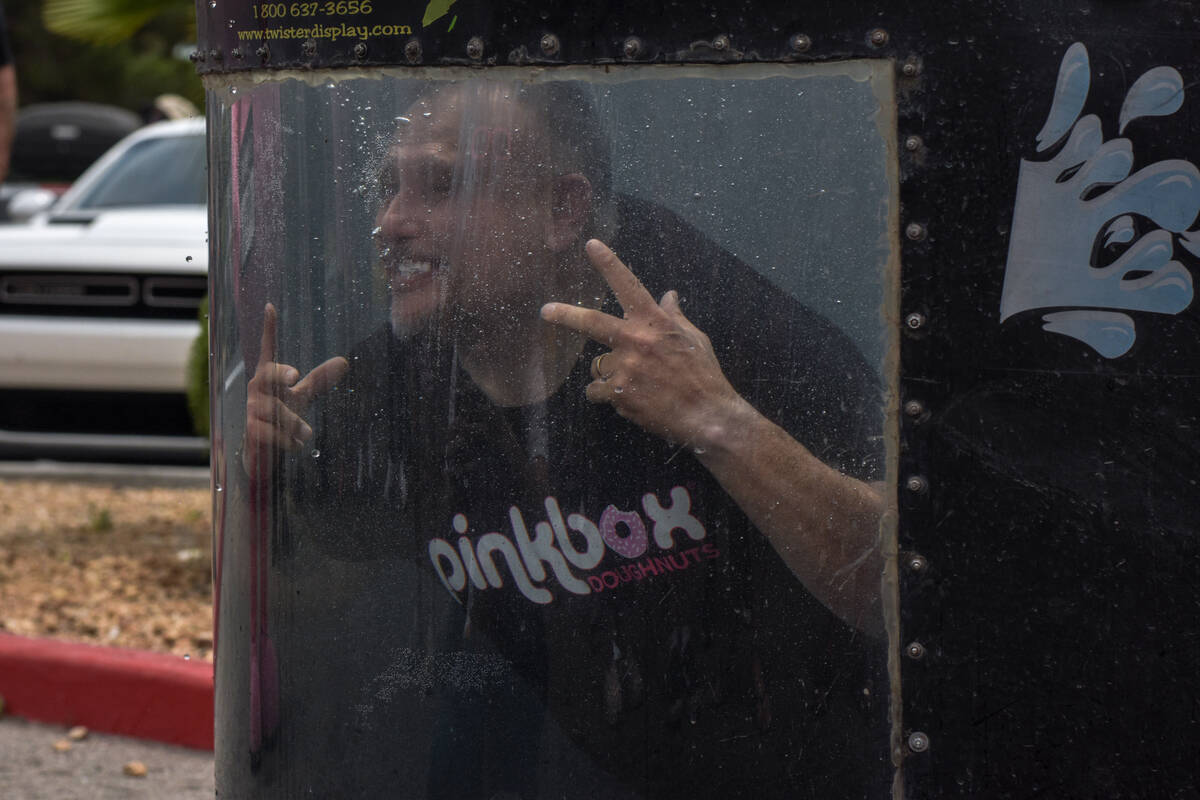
(330, 32)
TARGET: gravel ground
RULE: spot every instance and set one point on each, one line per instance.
(106, 564)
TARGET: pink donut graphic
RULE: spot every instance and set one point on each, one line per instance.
(631, 546)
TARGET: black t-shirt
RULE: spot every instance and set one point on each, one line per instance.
(548, 601)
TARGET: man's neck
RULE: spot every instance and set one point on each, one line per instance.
(521, 365)
(519, 359)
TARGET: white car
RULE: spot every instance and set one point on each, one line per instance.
(98, 305)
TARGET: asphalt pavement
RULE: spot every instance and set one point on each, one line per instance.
(94, 767)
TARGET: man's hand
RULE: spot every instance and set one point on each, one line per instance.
(661, 373)
(276, 397)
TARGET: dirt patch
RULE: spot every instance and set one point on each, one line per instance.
(118, 566)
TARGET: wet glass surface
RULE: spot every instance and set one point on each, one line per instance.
(503, 511)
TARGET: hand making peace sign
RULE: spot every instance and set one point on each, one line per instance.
(661, 372)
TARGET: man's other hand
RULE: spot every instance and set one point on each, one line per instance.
(277, 397)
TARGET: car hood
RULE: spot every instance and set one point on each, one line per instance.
(136, 239)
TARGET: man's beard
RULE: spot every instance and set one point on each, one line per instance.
(411, 315)
(405, 329)
(414, 308)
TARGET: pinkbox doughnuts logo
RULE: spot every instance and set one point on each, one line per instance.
(564, 546)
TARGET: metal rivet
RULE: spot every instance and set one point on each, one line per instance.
(475, 48)
(309, 48)
(912, 143)
(911, 68)
(916, 484)
(918, 742)
(915, 231)
(800, 43)
(879, 37)
(632, 47)
(263, 52)
(237, 53)
(721, 42)
(915, 320)
(550, 44)
(915, 650)
(412, 51)
(360, 50)
(914, 408)
(917, 563)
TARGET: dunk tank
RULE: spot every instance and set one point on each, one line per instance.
(720, 399)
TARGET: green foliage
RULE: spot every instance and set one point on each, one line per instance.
(103, 21)
(100, 519)
(130, 72)
(197, 376)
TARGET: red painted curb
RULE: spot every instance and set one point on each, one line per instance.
(129, 692)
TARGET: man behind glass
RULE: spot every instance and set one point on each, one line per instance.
(667, 585)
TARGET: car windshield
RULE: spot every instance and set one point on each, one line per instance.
(153, 172)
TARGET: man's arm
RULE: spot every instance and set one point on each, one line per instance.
(824, 524)
(662, 375)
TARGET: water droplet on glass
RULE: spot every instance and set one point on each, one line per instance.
(378, 229)
(427, 114)
(220, 488)
(316, 453)
(233, 90)
(617, 390)
(187, 656)
(187, 259)
(698, 451)
(212, 3)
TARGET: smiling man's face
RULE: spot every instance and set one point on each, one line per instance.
(465, 209)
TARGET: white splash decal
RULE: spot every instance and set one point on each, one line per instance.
(1070, 93)
(1083, 200)
(1157, 93)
